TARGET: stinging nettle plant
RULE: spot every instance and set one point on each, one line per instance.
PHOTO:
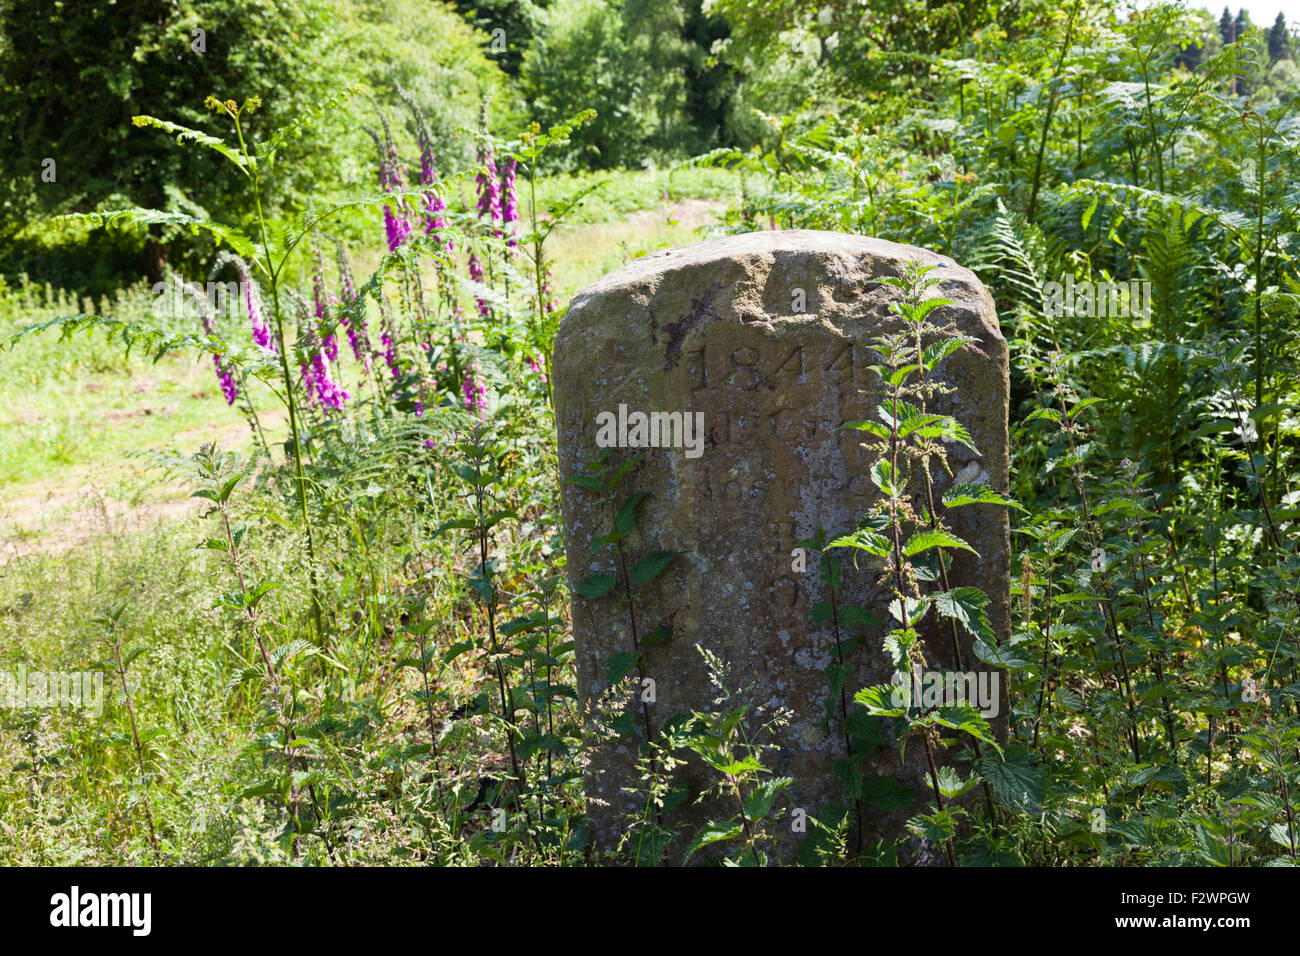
(913, 540)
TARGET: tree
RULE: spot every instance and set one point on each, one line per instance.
(1241, 24)
(1279, 40)
(74, 74)
(1227, 30)
(509, 26)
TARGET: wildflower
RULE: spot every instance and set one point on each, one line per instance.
(261, 332)
(252, 298)
(510, 205)
(228, 387)
(355, 324)
(487, 190)
(475, 391)
(224, 376)
(324, 301)
(549, 303)
(476, 274)
(434, 206)
(392, 179)
(390, 353)
(321, 388)
(538, 367)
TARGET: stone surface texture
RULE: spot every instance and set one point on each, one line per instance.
(712, 328)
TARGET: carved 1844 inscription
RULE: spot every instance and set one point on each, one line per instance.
(709, 329)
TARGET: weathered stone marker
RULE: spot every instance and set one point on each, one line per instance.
(767, 338)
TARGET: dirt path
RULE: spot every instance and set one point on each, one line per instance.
(66, 511)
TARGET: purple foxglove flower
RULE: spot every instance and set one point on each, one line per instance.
(324, 302)
(510, 205)
(252, 299)
(390, 354)
(485, 187)
(356, 327)
(538, 367)
(228, 387)
(475, 391)
(549, 303)
(224, 376)
(392, 178)
(261, 332)
(476, 274)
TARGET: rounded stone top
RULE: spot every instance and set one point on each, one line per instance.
(750, 278)
(775, 243)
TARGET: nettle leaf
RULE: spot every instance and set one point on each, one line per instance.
(1014, 781)
(713, 833)
(590, 482)
(254, 597)
(1005, 655)
(879, 701)
(898, 642)
(937, 827)
(611, 538)
(919, 311)
(652, 565)
(131, 655)
(900, 374)
(933, 354)
(917, 608)
(595, 586)
(874, 428)
(864, 539)
(887, 793)
(735, 768)
(216, 544)
(465, 524)
(934, 538)
(626, 516)
(974, 493)
(1069, 699)
(497, 517)
(658, 636)
(1279, 833)
(884, 478)
(967, 606)
(965, 718)
(621, 472)
(895, 413)
(294, 648)
(250, 674)
(625, 723)
(920, 420)
(473, 475)
(950, 430)
(229, 486)
(759, 802)
(621, 663)
(1082, 405)
(951, 785)
(846, 770)
(853, 615)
